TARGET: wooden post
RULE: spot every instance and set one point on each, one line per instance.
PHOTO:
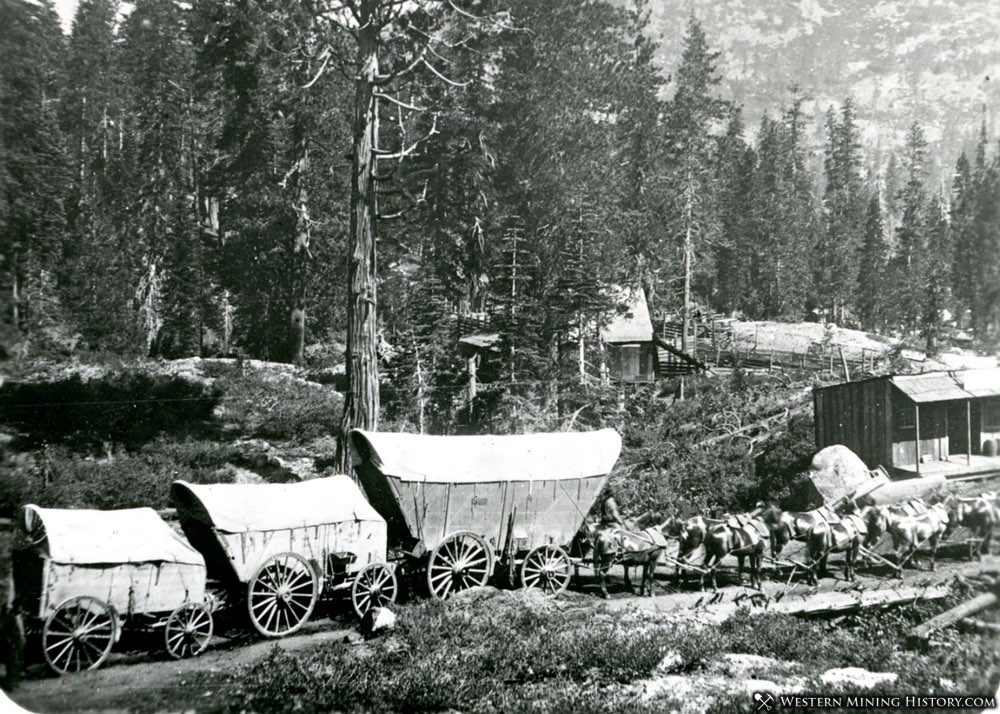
(843, 361)
(831, 363)
(472, 379)
(968, 431)
(916, 414)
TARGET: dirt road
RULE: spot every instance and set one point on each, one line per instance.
(144, 682)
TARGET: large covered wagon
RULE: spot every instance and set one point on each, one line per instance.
(458, 506)
(83, 575)
(283, 546)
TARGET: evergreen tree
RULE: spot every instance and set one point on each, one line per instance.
(840, 238)
(733, 255)
(963, 208)
(911, 236)
(93, 115)
(934, 270)
(688, 177)
(34, 169)
(872, 298)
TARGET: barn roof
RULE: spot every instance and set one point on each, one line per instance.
(632, 325)
(86, 537)
(488, 458)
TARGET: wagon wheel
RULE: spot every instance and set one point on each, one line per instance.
(460, 561)
(375, 586)
(79, 635)
(547, 568)
(282, 594)
(188, 630)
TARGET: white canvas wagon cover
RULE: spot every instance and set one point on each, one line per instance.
(483, 459)
(87, 537)
(242, 508)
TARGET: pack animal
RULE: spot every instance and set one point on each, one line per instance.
(845, 536)
(745, 538)
(689, 534)
(980, 515)
(909, 532)
(786, 526)
(610, 546)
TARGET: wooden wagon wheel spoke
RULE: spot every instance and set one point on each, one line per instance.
(78, 635)
(374, 586)
(461, 561)
(547, 568)
(282, 594)
(188, 630)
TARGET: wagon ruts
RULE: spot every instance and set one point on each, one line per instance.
(460, 509)
(278, 549)
(81, 577)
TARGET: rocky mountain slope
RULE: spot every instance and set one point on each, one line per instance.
(933, 61)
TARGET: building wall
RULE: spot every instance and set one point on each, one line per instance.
(933, 431)
(632, 362)
(855, 414)
(989, 421)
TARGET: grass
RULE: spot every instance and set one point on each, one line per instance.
(499, 654)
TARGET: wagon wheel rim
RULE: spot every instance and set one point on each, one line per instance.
(459, 562)
(546, 568)
(282, 594)
(189, 630)
(375, 586)
(79, 635)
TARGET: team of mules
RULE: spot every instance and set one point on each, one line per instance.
(852, 530)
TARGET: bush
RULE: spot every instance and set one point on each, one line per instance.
(273, 406)
(127, 407)
(496, 655)
(62, 479)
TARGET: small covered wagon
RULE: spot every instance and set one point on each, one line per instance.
(279, 548)
(458, 506)
(81, 576)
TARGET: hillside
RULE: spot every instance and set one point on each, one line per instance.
(933, 61)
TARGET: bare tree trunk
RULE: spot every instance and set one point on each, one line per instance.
(361, 404)
(300, 251)
(688, 250)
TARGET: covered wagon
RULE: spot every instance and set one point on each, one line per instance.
(83, 575)
(283, 546)
(458, 506)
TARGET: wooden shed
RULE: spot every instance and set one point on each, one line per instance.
(936, 423)
(628, 341)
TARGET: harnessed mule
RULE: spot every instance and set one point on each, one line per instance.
(844, 537)
(609, 545)
(742, 536)
(689, 534)
(786, 526)
(980, 515)
(908, 532)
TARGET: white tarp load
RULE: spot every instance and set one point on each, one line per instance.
(241, 508)
(480, 459)
(86, 537)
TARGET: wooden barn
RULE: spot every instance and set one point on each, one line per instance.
(951, 419)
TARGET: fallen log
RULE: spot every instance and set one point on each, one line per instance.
(763, 424)
(960, 612)
(981, 625)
